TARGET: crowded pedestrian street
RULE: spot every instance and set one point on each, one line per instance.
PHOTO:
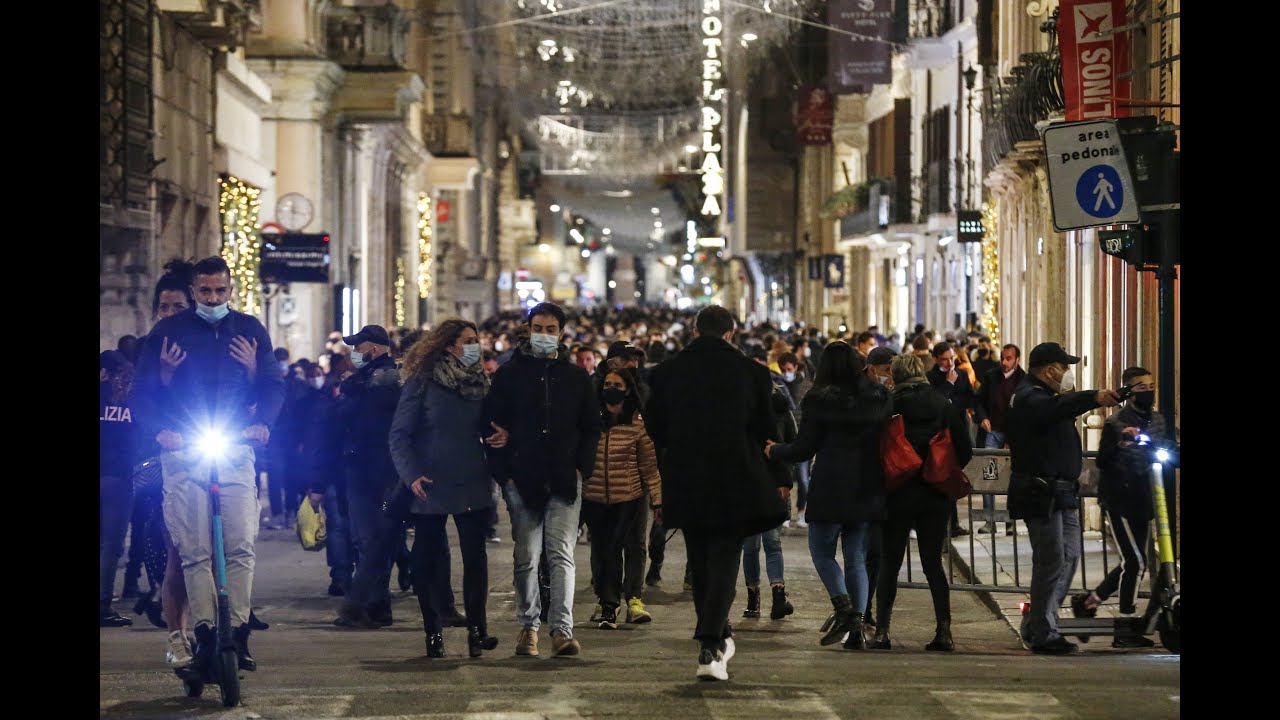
(636, 671)
(548, 359)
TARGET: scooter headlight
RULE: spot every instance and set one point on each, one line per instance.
(213, 444)
(1162, 455)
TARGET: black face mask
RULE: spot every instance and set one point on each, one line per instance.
(613, 396)
(1144, 401)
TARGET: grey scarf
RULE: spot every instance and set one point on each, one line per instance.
(470, 382)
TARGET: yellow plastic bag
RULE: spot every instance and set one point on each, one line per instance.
(311, 529)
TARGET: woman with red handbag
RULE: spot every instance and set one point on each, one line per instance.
(917, 504)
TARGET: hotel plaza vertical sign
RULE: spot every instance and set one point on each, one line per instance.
(712, 105)
(1094, 57)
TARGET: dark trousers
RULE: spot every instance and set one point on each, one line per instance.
(431, 580)
(135, 526)
(155, 545)
(634, 552)
(338, 550)
(714, 558)
(375, 538)
(875, 551)
(1055, 550)
(611, 528)
(1131, 536)
(115, 503)
(657, 547)
(914, 507)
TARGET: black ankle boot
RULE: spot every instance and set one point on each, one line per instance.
(840, 621)
(781, 605)
(942, 638)
(435, 645)
(753, 603)
(204, 650)
(257, 624)
(241, 638)
(857, 640)
(479, 640)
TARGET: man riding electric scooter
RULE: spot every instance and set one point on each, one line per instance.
(209, 369)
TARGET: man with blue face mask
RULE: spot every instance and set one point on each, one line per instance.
(214, 388)
(1044, 483)
(552, 415)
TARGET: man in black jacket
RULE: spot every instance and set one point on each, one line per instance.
(1045, 460)
(1124, 487)
(709, 415)
(193, 384)
(366, 405)
(552, 416)
(956, 388)
(116, 446)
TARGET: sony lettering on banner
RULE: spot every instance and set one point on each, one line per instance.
(1091, 65)
(855, 64)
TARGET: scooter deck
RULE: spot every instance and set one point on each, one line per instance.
(1102, 626)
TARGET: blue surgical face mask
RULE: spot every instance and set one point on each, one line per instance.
(470, 354)
(544, 344)
(213, 314)
(789, 376)
(357, 358)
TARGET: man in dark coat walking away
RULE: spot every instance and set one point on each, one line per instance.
(709, 413)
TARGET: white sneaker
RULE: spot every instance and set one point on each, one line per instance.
(801, 523)
(178, 653)
(711, 666)
(786, 524)
(729, 650)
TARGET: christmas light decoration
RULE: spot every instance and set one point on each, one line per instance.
(400, 291)
(424, 245)
(990, 287)
(238, 206)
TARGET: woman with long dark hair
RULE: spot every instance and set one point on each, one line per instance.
(841, 420)
(436, 443)
(626, 470)
(916, 505)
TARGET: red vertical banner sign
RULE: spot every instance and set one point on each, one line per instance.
(1093, 58)
(815, 115)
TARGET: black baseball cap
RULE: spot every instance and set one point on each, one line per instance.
(880, 356)
(1046, 353)
(375, 334)
(621, 348)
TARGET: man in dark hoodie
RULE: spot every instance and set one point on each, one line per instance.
(552, 415)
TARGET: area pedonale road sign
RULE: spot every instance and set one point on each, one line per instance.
(1089, 182)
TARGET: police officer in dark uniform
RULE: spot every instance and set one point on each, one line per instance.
(1045, 453)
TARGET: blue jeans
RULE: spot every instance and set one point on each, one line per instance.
(554, 528)
(802, 487)
(994, 440)
(772, 558)
(852, 581)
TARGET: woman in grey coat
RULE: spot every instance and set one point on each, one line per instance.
(437, 443)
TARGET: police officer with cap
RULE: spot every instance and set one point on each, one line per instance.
(1045, 454)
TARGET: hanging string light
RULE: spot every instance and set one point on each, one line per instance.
(238, 206)
(990, 287)
(400, 292)
(424, 245)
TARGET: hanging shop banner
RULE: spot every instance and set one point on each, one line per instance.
(833, 271)
(815, 114)
(857, 63)
(1094, 57)
(446, 224)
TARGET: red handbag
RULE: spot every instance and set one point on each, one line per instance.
(942, 468)
(899, 459)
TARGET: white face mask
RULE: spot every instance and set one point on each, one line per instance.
(1068, 382)
(317, 383)
(789, 376)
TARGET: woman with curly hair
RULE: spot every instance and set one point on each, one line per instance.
(437, 443)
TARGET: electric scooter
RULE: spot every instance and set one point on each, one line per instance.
(1164, 609)
(224, 670)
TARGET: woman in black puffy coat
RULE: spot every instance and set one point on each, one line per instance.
(917, 505)
(840, 425)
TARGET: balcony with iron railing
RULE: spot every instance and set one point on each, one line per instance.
(878, 205)
(367, 37)
(1012, 105)
(928, 19)
(447, 135)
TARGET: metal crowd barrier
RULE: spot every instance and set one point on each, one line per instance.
(989, 472)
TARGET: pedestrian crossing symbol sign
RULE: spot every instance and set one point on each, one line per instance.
(1089, 180)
